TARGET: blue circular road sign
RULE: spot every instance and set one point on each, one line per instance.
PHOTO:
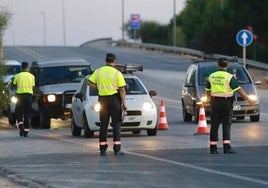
(244, 37)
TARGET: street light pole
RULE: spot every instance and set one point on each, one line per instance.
(13, 37)
(44, 27)
(63, 22)
(123, 10)
(174, 23)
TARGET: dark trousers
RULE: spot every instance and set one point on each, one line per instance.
(221, 112)
(110, 108)
(23, 109)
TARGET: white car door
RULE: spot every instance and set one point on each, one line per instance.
(78, 108)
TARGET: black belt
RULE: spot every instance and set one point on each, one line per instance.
(228, 98)
(24, 94)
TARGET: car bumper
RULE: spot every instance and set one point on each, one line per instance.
(130, 123)
(239, 110)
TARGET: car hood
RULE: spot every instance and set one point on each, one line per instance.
(134, 102)
(59, 88)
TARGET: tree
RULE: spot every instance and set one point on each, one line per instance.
(211, 26)
(4, 18)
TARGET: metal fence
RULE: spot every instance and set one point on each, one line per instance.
(176, 50)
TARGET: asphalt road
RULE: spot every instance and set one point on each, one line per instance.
(174, 158)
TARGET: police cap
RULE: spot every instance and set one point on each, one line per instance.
(24, 65)
(223, 62)
(110, 57)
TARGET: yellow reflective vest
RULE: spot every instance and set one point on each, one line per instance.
(108, 79)
(24, 82)
(220, 84)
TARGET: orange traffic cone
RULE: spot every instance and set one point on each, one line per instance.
(202, 122)
(163, 119)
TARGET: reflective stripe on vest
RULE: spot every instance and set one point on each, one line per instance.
(220, 84)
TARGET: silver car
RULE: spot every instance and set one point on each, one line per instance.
(193, 90)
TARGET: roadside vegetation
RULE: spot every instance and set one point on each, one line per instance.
(211, 26)
(4, 20)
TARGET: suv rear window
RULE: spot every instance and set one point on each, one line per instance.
(240, 74)
(58, 75)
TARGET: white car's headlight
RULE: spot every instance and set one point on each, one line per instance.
(96, 107)
(13, 99)
(253, 97)
(147, 106)
(51, 98)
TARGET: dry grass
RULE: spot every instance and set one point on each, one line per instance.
(259, 75)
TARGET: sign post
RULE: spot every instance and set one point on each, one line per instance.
(135, 23)
(244, 38)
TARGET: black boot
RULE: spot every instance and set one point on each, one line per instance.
(103, 149)
(25, 133)
(227, 149)
(117, 149)
(21, 127)
(213, 149)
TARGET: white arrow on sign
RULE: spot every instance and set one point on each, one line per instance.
(244, 37)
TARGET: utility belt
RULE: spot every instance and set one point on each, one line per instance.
(116, 95)
(24, 94)
(229, 100)
(222, 98)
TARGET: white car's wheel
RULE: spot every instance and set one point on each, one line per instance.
(76, 131)
(87, 132)
(152, 132)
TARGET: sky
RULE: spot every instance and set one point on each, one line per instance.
(46, 22)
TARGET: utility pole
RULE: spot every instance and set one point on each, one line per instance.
(123, 15)
(174, 23)
(44, 27)
(63, 22)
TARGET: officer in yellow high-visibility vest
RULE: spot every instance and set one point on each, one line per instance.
(24, 82)
(112, 98)
(220, 88)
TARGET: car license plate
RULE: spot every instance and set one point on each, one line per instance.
(127, 118)
(68, 105)
(236, 107)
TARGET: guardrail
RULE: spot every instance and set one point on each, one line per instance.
(171, 49)
(185, 51)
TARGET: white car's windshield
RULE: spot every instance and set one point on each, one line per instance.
(239, 73)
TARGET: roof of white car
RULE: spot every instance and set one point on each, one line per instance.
(11, 62)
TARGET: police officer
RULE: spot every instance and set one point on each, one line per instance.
(220, 88)
(24, 82)
(112, 98)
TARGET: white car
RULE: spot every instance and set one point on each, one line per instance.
(141, 111)
(12, 68)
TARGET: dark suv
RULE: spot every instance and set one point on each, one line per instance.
(56, 82)
(193, 90)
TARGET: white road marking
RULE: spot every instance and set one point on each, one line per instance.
(231, 175)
